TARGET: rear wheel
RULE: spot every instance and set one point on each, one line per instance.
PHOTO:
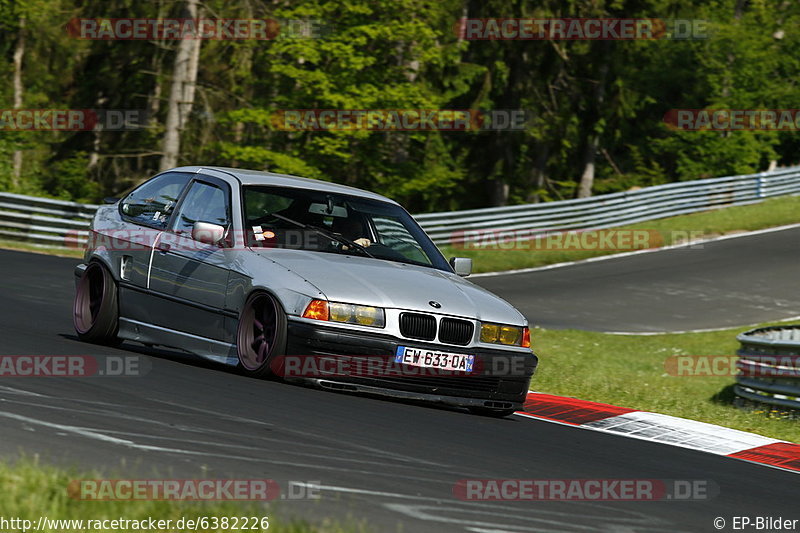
(95, 311)
(262, 334)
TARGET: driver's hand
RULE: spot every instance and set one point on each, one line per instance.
(366, 243)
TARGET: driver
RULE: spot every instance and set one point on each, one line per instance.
(351, 228)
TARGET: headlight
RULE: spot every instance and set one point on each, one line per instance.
(490, 333)
(362, 315)
(507, 335)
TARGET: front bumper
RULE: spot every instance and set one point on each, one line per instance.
(501, 382)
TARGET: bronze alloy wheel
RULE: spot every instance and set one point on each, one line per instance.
(262, 334)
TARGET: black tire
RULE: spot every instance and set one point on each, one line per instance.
(95, 310)
(261, 336)
(494, 413)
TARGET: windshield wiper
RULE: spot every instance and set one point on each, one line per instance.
(327, 234)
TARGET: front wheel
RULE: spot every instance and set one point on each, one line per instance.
(261, 336)
(95, 311)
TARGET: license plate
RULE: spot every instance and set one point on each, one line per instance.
(434, 359)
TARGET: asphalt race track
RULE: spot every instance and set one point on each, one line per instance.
(392, 465)
(718, 284)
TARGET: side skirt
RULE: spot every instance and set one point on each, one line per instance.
(221, 352)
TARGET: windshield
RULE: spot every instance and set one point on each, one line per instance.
(302, 219)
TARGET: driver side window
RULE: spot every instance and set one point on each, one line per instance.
(203, 203)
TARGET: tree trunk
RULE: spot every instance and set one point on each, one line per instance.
(538, 174)
(593, 139)
(154, 98)
(498, 187)
(499, 190)
(190, 85)
(181, 94)
(19, 54)
(589, 156)
(94, 155)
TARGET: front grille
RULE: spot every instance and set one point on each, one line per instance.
(454, 331)
(417, 326)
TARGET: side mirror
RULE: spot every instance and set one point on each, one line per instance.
(461, 265)
(208, 233)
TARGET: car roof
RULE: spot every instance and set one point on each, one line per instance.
(258, 177)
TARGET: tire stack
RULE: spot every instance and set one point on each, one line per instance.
(769, 369)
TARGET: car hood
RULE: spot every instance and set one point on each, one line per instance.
(362, 280)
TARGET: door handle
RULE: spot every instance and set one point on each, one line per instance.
(163, 247)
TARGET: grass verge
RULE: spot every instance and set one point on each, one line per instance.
(629, 371)
(6, 244)
(31, 490)
(712, 223)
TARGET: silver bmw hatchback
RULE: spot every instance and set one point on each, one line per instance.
(300, 279)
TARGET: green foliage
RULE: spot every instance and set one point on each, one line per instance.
(703, 154)
(6, 169)
(67, 179)
(406, 54)
(31, 489)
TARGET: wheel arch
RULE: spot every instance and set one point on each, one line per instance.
(291, 301)
(259, 289)
(105, 259)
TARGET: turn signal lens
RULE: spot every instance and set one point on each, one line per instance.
(526, 338)
(317, 310)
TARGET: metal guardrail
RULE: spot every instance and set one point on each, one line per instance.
(769, 366)
(614, 209)
(44, 221)
(57, 223)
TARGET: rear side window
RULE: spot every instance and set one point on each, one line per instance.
(153, 202)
